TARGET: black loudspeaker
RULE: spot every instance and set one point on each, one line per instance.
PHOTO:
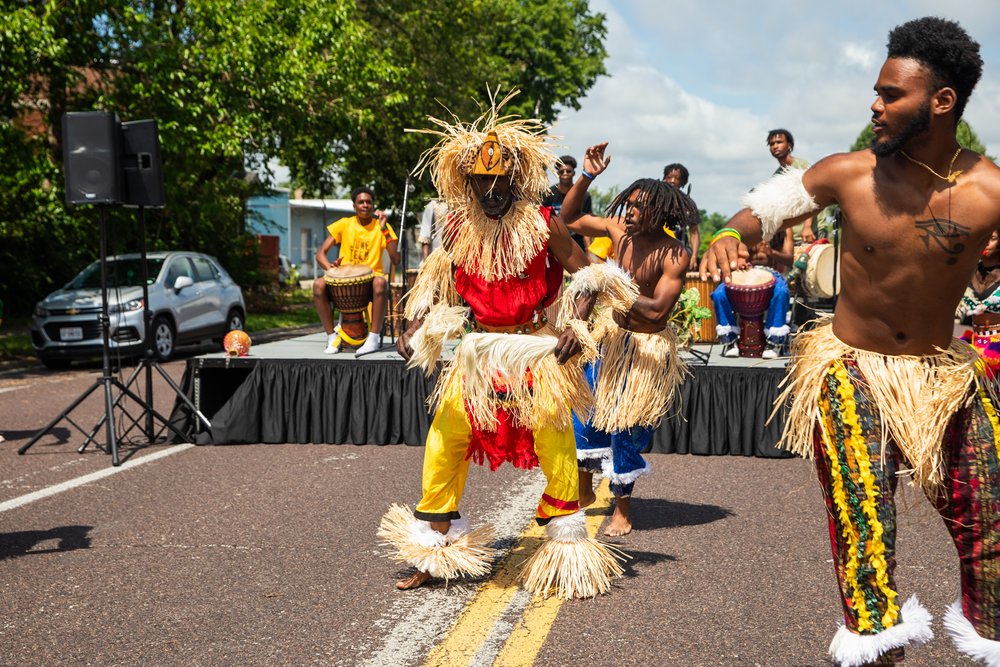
(142, 169)
(90, 157)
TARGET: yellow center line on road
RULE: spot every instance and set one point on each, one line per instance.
(481, 615)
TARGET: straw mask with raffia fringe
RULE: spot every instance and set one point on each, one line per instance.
(491, 249)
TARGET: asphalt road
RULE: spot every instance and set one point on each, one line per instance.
(267, 555)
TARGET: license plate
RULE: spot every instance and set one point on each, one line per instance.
(71, 333)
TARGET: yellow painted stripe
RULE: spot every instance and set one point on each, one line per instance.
(524, 643)
(464, 640)
(481, 614)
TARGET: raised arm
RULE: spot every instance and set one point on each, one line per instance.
(565, 249)
(572, 216)
(391, 244)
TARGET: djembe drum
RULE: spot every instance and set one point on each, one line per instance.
(400, 291)
(350, 290)
(749, 293)
(706, 331)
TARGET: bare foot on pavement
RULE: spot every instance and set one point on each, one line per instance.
(415, 580)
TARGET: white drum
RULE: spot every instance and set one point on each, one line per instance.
(751, 277)
(817, 279)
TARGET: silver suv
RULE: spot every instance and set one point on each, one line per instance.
(191, 297)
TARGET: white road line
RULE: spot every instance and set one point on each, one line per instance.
(418, 620)
(87, 479)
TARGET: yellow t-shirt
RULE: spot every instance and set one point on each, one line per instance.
(601, 246)
(360, 244)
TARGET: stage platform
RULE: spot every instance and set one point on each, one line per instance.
(290, 392)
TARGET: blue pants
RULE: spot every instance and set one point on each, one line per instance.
(775, 323)
(617, 455)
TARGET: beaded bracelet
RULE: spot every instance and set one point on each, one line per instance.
(727, 232)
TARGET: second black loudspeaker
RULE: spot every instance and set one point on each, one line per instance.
(90, 157)
(141, 166)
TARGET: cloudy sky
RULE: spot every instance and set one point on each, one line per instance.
(701, 83)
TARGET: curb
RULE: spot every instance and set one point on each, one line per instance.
(266, 336)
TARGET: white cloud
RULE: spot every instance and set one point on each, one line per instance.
(858, 55)
(701, 83)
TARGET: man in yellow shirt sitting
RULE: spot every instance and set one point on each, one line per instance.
(362, 238)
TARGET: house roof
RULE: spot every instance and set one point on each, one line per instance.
(330, 205)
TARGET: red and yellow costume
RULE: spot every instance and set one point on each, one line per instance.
(502, 397)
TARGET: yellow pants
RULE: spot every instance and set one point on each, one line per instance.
(446, 466)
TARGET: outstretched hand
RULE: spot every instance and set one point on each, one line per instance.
(722, 258)
(566, 346)
(594, 159)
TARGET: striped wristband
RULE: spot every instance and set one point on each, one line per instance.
(727, 232)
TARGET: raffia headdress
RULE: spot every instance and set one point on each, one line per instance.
(504, 146)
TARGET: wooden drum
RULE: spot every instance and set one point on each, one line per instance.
(350, 289)
(400, 291)
(706, 332)
(749, 294)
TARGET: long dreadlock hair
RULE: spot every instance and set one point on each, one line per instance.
(666, 206)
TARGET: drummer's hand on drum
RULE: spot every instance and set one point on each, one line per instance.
(338, 261)
(403, 342)
(807, 232)
(566, 346)
(723, 257)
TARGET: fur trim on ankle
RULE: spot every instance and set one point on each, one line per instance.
(849, 649)
(967, 640)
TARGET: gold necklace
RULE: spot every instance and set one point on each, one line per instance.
(952, 175)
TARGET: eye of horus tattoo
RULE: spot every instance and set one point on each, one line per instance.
(946, 234)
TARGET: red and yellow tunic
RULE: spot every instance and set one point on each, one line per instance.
(499, 304)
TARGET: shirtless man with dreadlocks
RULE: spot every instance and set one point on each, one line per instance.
(638, 370)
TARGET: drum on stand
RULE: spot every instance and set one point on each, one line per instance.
(400, 292)
(350, 289)
(749, 294)
(706, 331)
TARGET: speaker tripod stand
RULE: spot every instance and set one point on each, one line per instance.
(107, 382)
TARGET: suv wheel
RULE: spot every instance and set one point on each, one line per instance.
(164, 338)
(234, 320)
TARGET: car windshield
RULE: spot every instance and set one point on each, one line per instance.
(121, 273)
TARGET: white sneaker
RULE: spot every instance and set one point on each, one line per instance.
(371, 345)
(770, 352)
(333, 344)
(730, 350)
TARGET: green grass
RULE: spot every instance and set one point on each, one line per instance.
(293, 317)
(15, 346)
(15, 341)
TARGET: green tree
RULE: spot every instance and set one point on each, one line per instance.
(710, 223)
(326, 86)
(601, 199)
(446, 54)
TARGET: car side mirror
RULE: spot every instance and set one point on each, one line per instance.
(182, 282)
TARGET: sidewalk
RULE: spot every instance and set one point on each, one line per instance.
(266, 336)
